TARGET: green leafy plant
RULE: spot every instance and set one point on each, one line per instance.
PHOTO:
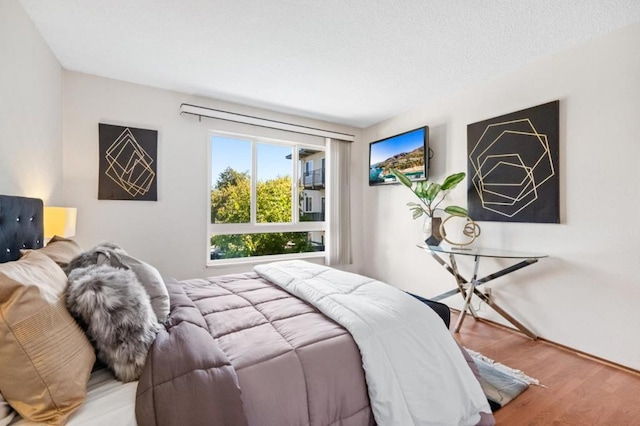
(432, 194)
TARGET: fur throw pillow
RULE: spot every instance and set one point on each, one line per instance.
(116, 312)
(102, 254)
(113, 255)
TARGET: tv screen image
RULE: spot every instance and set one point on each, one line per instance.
(406, 152)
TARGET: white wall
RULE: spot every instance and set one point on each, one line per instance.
(586, 294)
(172, 232)
(30, 110)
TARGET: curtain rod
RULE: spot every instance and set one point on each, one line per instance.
(261, 122)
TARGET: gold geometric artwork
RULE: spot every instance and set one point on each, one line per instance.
(513, 166)
(129, 165)
(508, 192)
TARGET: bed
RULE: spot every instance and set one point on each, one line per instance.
(284, 344)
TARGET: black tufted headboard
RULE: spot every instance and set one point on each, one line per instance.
(21, 225)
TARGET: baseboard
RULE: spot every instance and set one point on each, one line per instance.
(561, 346)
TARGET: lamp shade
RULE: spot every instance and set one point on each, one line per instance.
(60, 221)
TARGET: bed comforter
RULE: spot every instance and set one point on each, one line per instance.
(415, 371)
(239, 350)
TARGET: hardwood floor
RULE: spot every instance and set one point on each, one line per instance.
(579, 390)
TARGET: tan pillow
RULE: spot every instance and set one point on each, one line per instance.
(45, 357)
(60, 250)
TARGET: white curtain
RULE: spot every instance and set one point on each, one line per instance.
(338, 212)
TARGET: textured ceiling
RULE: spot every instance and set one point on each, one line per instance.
(353, 62)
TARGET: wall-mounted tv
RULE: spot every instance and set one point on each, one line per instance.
(406, 152)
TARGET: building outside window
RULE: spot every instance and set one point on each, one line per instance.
(308, 204)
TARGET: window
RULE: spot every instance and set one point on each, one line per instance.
(231, 183)
(253, 185)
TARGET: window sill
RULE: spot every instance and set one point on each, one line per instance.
(264, 259)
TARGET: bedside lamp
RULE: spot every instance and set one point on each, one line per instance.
(60, 221)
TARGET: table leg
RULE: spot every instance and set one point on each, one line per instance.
(447, 267)
(467, 297)
(467, 294)
(463, 311)
(461, 282)
(505, 315)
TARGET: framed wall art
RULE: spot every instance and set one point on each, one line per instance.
(128, 161)
(513, 166)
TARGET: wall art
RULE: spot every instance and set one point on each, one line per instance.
(128, 160)
(513, 166)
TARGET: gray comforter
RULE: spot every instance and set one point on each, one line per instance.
(239, 350)
(187, 379)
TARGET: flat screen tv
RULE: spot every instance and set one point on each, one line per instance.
(406, 152)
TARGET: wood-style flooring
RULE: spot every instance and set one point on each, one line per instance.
(579, 390)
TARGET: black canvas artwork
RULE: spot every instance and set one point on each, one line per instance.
(513, 166)
(128, 160)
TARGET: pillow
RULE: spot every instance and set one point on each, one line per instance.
(149, 277)
(117, 313)
(46, 358)
(6, 413)
(153, 283)
(60, 250)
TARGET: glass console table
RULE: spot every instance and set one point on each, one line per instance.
(446, 256)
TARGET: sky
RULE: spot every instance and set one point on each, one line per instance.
(236, 153)
(389, 147)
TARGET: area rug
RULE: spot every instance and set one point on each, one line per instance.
(501, 384)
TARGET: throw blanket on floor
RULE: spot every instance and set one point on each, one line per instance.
(415, 372)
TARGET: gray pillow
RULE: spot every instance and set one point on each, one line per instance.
(115, 311)
(152, 282)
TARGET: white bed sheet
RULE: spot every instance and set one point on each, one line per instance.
(109, 403)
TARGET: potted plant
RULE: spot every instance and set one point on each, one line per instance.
(431, 196)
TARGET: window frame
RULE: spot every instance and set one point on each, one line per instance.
(296, 225)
